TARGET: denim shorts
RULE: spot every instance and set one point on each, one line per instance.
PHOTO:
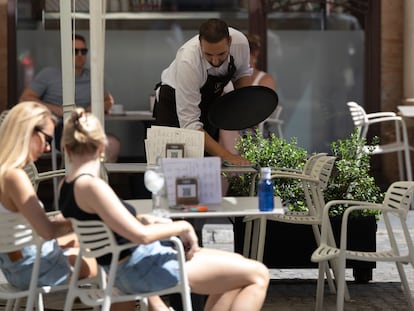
(54, 266)
(149, 268)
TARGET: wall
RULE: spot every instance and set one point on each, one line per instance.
(316, 73)
(391, 74)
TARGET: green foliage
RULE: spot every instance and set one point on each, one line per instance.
(350, 178)
(276, 153)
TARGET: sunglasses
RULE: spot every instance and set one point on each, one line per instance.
(83, 51)
(48, 138)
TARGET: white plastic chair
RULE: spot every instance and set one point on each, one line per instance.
(362, 122)
(36, 177)
(396, 203)
(96, 239)
(17, 233)
(314, 179)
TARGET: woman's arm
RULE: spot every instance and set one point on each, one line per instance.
(20, 196)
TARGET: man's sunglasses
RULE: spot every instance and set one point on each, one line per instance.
(83, 51)
(48, 138)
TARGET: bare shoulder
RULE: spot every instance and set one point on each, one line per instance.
(16, 175)
(88, 184)
(268, 81)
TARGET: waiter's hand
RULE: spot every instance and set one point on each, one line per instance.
(236, 159)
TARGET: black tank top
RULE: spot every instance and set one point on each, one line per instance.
(70, 208)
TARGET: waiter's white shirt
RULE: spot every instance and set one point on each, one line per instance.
(189, 71)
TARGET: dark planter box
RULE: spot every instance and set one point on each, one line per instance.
(290, 246)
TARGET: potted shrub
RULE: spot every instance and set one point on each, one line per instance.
(350, 179)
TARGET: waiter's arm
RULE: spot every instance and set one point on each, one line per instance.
(215, 149)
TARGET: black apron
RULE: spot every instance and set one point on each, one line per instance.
(165, 111)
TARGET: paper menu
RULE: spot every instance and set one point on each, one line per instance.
(159, 136)
(207, 171)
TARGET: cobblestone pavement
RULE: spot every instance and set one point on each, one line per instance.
(295, 289)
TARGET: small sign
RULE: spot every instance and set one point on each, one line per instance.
(186, 191)
(174, 151)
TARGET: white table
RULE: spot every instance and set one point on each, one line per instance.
(141, 167)
(230, 207)
(406, 111)
(125, 167)
(131, 115)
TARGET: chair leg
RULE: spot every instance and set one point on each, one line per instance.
(408, 169)
(69, 301)
(405, 285)
(10, 304)
(262, 222)
(317, 235)
(40, 305)
(186, 298)
(247, 239)
(341, 283)
(143, 304)
(320, 286)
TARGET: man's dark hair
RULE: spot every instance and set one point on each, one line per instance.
(214, 30)
(79, 37)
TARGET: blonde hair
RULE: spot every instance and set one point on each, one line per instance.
(16, 133)
(82, 133)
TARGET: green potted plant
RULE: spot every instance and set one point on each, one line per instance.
(350, 179)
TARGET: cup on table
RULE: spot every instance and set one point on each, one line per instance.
(117, 109)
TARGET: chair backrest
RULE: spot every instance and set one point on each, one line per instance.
(314, 178)
(95, 238)
(16, 233)
(322, 169)
(307, 168)
(359, 117)
(32, 172)
(399, 195)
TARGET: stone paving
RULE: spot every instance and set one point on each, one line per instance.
(295, 289)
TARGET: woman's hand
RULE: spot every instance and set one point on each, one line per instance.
(190, 242)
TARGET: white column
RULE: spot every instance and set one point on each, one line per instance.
(97, 35)
(408, 65)
(68, 71)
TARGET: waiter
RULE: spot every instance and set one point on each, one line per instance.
(202, 68)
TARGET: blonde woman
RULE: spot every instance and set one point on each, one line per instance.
(231, 281)
(26, 133)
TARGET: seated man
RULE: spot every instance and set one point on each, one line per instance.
(46, 88)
